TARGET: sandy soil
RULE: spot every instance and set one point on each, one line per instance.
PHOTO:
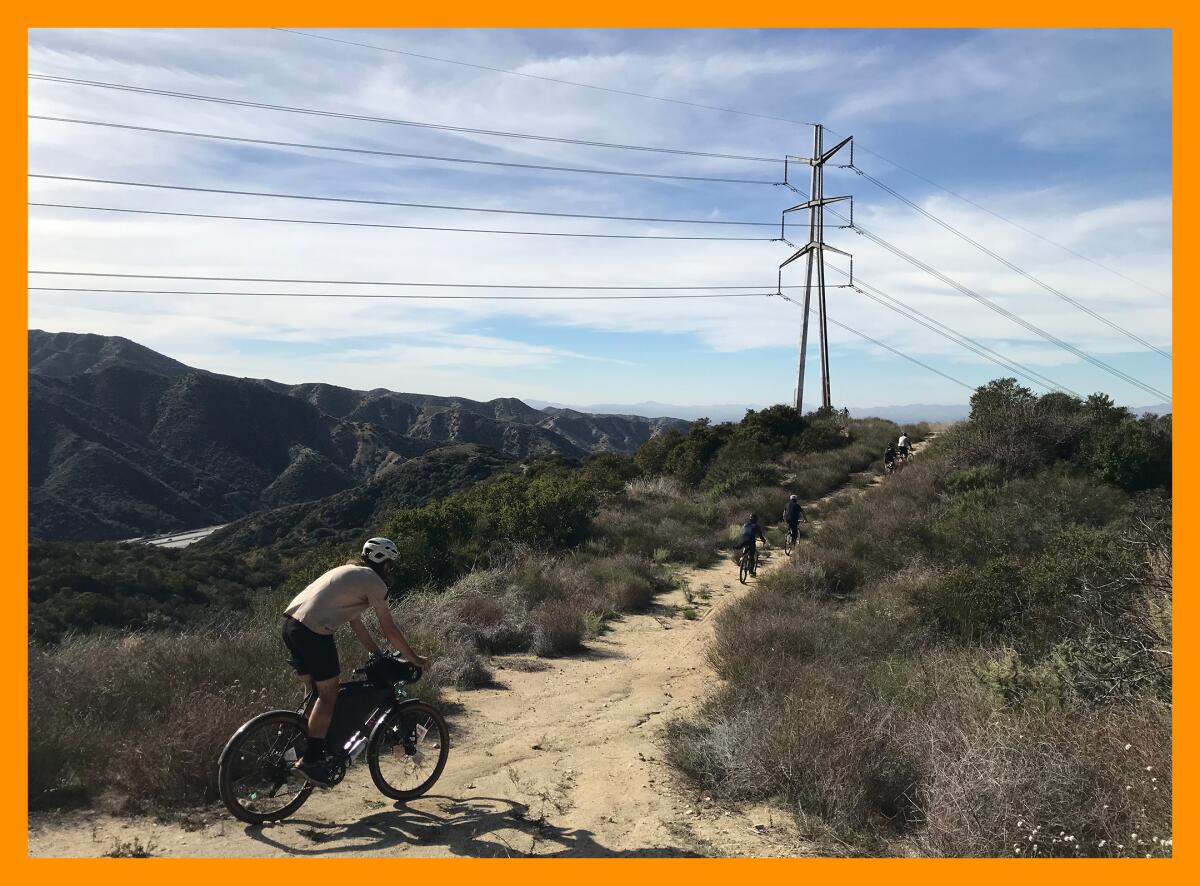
(562, 757)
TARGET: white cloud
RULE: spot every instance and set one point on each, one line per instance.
(448, 342)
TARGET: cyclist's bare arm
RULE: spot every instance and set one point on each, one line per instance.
(396, 638)
(364, 636)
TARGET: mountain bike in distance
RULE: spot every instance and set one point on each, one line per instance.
(748, 565)
(406, 742)
(790, 537)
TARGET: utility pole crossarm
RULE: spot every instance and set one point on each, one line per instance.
(828, 154)
(800, 253)
(809, 204)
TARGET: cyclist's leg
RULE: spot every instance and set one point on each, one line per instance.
(322, 712)
(315, 659)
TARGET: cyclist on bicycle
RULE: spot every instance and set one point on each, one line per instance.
(792, 515)
(338, 597)
(751, 531)
(889, 456)
(903, 445)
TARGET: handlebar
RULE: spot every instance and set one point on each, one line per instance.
(375, 656)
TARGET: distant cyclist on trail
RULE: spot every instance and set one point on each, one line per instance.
(792, 515)
(903, 445)
(751, 532)
(338, 597)
(889, 457)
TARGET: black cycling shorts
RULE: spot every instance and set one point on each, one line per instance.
(312, 655)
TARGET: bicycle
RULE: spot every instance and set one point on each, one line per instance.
(406, 743)
(790, 537)
(748, 565)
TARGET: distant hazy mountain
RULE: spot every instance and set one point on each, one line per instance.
(1157, 409)
(124, 441)
(735, 412)
(650, 409)
(913, 413)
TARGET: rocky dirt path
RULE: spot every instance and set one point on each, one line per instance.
(562, 757)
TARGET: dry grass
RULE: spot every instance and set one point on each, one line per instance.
(844, 700)
(141, 717)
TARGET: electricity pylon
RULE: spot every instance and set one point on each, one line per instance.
(814, 252)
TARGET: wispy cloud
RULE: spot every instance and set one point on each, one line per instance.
(938, 92)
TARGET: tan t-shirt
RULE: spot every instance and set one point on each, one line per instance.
(336, 597)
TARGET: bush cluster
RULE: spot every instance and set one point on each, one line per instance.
(533, 560)
(974, 659)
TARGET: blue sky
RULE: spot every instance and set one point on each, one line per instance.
(1067, 131)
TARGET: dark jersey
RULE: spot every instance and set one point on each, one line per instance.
(751, 531)
(792, 512)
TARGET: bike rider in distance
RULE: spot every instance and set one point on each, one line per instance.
(903, 446)
(889, 457)
(751, 531)
(792, 515)
(338, 597)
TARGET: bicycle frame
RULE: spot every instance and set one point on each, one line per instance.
(357, 742)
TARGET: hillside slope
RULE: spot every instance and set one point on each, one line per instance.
(124, 441)
(346, 515)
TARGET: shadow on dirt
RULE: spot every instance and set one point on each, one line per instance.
(474, 827)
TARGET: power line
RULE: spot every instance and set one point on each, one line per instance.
(364, 202)
(366, 118)
(495, 298)
(434, 58)
(396, 295)
(941, 328)
(888, 347)
(961, 339)
(1036, 330)
(958, 338)
(352, 224)
(1004, 312)
(897, 165)
(1009, 221)
(407, 283)
(408, 156)
(1010, 265)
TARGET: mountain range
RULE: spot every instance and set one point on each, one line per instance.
(722, 412)
(125, 441)
(909, 413)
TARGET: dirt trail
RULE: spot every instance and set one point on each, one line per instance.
(562, 757)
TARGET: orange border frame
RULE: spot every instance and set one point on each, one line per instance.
(542, 13)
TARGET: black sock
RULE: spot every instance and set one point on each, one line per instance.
(314, 751)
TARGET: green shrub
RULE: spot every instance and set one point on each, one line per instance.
(973, 658)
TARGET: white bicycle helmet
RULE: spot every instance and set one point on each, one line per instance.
(378, 550)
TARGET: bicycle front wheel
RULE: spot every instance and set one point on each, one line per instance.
(254, 772)
(407, 751)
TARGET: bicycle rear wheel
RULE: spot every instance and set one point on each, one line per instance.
(744, 568)
(408, 750)
(789, 542)
(254, 772)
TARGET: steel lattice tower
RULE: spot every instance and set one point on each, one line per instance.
(814, 253)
